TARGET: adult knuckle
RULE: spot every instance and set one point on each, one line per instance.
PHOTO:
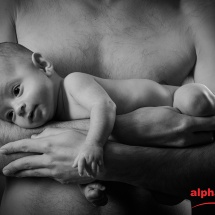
(24, 148)
(56, 173)
(11, 148)
(47, 129)
(27, 165)
(13, 167)
(36, 173)
(47, 145)
(49, 162)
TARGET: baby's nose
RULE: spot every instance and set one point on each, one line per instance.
(20, 110)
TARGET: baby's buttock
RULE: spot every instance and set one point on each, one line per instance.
(189, 79)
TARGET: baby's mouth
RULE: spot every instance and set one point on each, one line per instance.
(32, 113)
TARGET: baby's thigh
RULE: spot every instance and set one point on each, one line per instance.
(194, 99)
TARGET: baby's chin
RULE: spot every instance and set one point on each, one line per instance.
(34, 124)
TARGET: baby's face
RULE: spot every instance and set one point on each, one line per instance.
(26, 96)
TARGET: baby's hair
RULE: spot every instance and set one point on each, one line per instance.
(10, 51)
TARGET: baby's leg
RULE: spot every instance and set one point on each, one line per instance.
(94, 193)
(195, 100)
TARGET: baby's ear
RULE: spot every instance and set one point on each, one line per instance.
(42, 63)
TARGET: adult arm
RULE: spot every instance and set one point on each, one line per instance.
(7, 21)
(178, 170)
(201, 19)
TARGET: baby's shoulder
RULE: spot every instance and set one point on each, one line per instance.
(77, 77)
(77, 80)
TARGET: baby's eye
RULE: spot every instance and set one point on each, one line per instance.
(16, 90)
(9, 116)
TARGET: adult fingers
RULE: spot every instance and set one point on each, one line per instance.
(49, 132)
(200, 138)
(25, 145)
(196, 138)
(26, 163)
(43, 172)
(202, 123)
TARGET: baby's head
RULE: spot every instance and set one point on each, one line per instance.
(27, 90)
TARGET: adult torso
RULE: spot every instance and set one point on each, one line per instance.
(110, 39)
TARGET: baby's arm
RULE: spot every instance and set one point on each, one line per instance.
(90, 95)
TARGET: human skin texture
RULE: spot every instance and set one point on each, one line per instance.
(160, 40)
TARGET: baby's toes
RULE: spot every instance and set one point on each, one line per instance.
(101, 201)
(97, 197)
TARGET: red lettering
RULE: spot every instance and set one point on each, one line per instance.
(199, 191)
(203, 193)
(210, 192)
(193, 193)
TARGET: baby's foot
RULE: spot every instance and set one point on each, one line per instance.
(95, 193)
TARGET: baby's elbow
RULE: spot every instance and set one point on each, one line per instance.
(106, 105)
(111, 106)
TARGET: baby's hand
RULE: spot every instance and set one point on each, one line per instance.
(90, 159)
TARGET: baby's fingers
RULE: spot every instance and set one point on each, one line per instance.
(75, 163)
(89, 171)
(94, 167)
(101, 166)
(81, 165)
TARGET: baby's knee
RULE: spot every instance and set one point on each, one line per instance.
(195, 100)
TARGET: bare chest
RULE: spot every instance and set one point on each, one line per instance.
(111, 43)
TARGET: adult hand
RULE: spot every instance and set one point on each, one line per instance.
(55, 150)
(163, 126)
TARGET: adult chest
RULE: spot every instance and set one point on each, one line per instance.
(111, 43)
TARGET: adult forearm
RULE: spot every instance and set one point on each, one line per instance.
(170, 171)
(167, 170)
(173, 171)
